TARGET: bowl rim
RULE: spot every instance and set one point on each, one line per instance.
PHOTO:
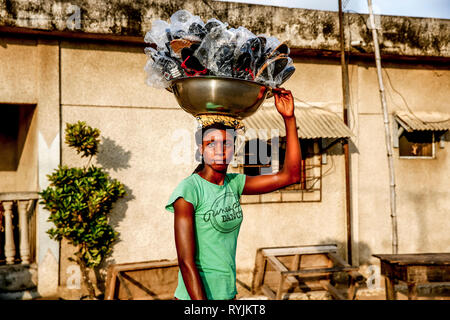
(172, 82)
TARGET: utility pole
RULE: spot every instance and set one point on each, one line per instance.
(346, 103)
(387, 130)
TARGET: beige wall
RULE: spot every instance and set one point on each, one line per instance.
(18, 86)
(104, 85)
(422, 188)
(18, 70)
(107, 75)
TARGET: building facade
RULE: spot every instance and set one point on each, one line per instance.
(53, 73)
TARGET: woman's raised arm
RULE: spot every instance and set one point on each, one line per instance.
(290, 173)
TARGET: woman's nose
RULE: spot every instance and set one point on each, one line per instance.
(220, 149)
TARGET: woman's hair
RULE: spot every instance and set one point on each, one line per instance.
(199, 140)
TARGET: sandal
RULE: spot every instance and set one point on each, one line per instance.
(169, 67)
(281, 49)
(223, 60)
(272, 68)
(197, 30)
(178, 44)
(249, 57)
(286, 74)
(191, 65)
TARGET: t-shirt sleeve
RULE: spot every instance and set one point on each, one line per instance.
(186, 191)
(238, 182)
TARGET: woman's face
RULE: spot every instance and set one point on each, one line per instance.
(218, 148)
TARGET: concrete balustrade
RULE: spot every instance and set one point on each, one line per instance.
(19, 203)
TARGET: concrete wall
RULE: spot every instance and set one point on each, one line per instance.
(422, 184)
(18, 86)
(140, 126)
(29, 74)
(301, 28)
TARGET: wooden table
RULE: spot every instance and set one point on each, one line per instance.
(304, 268)
(147, 280)
(414, 269)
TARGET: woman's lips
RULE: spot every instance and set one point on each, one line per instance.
(219, 161)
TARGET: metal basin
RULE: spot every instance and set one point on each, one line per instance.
(216, 95)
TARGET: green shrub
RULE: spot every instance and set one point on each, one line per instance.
(79, 201)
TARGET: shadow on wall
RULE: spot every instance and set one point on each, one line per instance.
(117, 215)
(365, 253)
(114, 157)
(336, 147)
(18, 282)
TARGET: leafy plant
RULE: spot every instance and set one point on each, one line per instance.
(79, 201)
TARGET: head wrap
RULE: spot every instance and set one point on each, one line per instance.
(205, 120)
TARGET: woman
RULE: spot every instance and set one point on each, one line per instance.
(208, 214)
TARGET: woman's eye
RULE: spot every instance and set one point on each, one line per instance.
(212, 145)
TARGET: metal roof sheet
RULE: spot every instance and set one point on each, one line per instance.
(421, 121)
(312, 123)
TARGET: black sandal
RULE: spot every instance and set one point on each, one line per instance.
(272, 68)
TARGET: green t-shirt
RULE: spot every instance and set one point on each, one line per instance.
(217, 220)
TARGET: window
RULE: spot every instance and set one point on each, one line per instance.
(258, 160)
(257, 157)
(417, 144)
(15, 121)
(415, 133)
(311, 165)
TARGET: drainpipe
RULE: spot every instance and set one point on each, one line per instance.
(387, 131)
(345, 145)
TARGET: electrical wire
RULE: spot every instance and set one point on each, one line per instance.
(350, 104)
(295, 98)
(389, 79)
(406, 103)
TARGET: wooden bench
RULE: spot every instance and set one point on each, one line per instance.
(303, 268)
(149, 280)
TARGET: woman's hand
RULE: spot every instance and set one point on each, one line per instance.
(290, 173)
(284, 102)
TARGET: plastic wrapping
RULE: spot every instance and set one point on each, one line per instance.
(185, 25)
(275, 71)
(168, 67)
(155, 77)
(216, 51)
(213, 22)
(271, 44)
(189, 47)
(157, 34)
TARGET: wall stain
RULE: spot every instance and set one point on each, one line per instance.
(301, 28)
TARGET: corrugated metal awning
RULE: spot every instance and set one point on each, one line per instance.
(423, 121)
(312, 123)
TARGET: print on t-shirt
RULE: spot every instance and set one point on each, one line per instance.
(225, 213)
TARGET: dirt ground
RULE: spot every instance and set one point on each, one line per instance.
(434, 292)
(244, 281)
